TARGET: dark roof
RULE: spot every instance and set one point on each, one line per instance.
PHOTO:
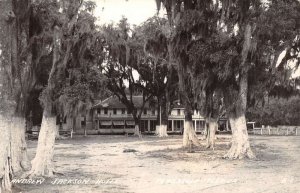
(114, 102)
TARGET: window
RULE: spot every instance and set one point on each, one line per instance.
(202, 125)
(169, 125)
(115, 111)
(178, 125)
(153, 111)
(123, 111)
(83, 121)
(145, 111)
(98, 111)
(96, 124)
(152, 125)
(178, 111)
(105, 111)
(144, 125)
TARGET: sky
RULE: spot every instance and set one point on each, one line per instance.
(291, 64)
(136, 11)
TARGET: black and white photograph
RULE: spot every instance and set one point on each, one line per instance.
(149, 96)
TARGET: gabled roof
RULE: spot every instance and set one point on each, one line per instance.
(114, 102)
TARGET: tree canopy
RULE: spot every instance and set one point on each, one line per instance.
(227, 45)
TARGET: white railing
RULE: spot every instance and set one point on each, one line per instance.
(280, 130)
(124, 116)
(195, 117)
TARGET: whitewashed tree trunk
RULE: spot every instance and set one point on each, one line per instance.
(157, 130)
(161, 131)
(189, 135)
(19, 159)
(85, 133)
(211, 133)
(137, 131)
(240, 147)
(42, 164)
(5, 164)
(57, 136)
(205, 132)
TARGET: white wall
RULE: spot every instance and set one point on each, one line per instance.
(174, 111)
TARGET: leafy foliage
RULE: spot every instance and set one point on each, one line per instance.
(124, 57)
(277, 111)
(74, 80)
(230, 45)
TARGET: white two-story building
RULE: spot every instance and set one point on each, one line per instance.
(111, 116)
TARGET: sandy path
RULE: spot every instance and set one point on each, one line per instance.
(161, 165)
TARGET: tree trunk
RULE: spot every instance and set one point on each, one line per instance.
(212, 113)
(205, 131)
(211, 133)
(161, 131)
(185, 90)
(240, 147)
(57, 136)
(74, 122)
(137, 131)
(189, 135)
(5, 164)
(162, 119)
(19, 159)
(13, 157)
(42, 164)
(84, 128)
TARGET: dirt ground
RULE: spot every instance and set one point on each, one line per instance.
(99, 164)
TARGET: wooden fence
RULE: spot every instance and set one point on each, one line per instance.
(279, 130)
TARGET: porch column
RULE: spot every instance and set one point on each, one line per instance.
(227, 127)
(172, 125)
(148, 125)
